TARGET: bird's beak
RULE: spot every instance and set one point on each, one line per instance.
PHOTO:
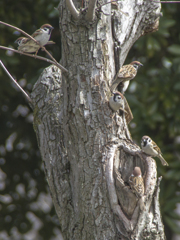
(140, 65)
(50, 30)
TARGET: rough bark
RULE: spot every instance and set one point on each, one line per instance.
(86, 148)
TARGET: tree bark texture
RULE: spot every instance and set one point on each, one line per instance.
(86, 148)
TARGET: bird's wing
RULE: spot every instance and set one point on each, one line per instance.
(156, 147)
(36, 33)
(129, 115)
(127, 72)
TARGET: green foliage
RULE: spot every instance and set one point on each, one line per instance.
(154, 98)
(25, 202)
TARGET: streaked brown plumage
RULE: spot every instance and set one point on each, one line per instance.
(125, 74)
(27, 45)
(41, 35)
(136, 182)
(151, 148)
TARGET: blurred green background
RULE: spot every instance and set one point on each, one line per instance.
(154, 96)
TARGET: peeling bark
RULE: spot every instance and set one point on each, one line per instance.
(86, 148)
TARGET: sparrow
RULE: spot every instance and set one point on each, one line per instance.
(125, 74)
(136, 182)
(41, 35)
(137, 185)
(151, 148)
(27, 45)
(116, 101)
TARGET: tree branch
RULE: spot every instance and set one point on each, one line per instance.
(75, 13)
(111, 187)
(20, 88)
(36, 57)
(165, 1)
(29, 36)
(91, 11)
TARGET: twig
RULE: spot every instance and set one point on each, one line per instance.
(108, 3)
(150, 0)
(35, 56)
(11, 77)
(29, 36)
(116, 208)
(75, 13)
(165, 1)
(91, 11)
(112, 2)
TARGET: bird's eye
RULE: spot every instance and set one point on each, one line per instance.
(46, 29)
(119, 97)
(149, 140)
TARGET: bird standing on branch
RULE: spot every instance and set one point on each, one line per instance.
(151, 148)
(41, 35)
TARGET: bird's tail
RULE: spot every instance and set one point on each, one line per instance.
(141, 203)
(163, 161)
(113, 86)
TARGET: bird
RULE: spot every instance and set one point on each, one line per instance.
(150, 148)
(29, 46)
(136, 182)
(116, 101)
(41, 35)
(124, 75)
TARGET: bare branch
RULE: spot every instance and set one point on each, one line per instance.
(91, 11)
(75, 13)
(11, 77)
(36, 57)
(110, 151)
(29, 36)
(20, 30)
(126, 14)
(165, 1)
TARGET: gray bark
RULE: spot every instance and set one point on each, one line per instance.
(86, 148)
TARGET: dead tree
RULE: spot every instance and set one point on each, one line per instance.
(86, 148)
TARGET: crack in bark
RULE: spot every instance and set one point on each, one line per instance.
(134, 225)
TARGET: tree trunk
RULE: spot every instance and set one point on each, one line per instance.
(86, 148)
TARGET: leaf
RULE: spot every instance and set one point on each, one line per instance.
(174, 49)
(166, 23)
(173, 174)
(177, 86)
(172, 224)
(158, 117)
(174, 215)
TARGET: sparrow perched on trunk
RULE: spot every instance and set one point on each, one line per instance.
(125, 74)
(116, 101)
(41, 35)
(136, 182)
(151, 148)
(119, 102)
